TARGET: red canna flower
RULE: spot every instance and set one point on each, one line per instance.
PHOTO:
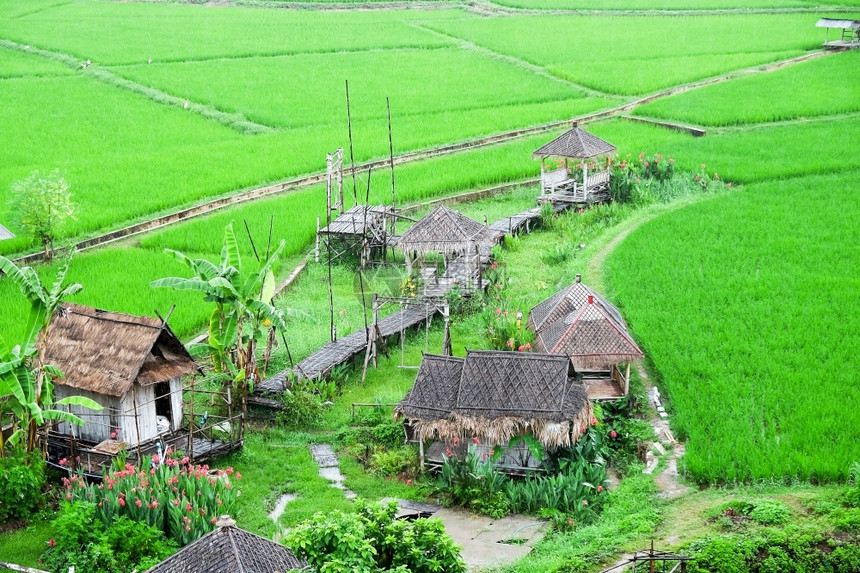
(122, 502)
(476, 440)
(599, 488)
(138, 503)
(409, 482)
(613, 434)
(51, 542)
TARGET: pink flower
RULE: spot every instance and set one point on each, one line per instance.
(138, 503)
(238, 475)
(613, 434)
(153, 505)
(697, 178)
(703, 165)
(646, 164)
(63, 461)
(213, 520)
(188, 507)
(594, 421)
(409, 482)
(728, 184)
(582, 430)
(476, 440)
(521, 348)
(155, 459)
(528, 345)
(113, 435)
(599, 488)
(187, 528)
(448, 452)
(185, 461)
(498, 311)
(176, 502)
(584, 502)
(510, 343)
(51, 542)
(122, 502)
(69, 497)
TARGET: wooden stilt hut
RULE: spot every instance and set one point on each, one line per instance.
(581, 324)
(489, 398)
(849, 33)
(464, 243)
(133, 366)
(362, 230)
(557, 184)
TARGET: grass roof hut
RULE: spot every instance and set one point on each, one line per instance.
(229, 549)
(583, 325)
(461, 240)
(5, 233)
(131, 365)
(578, 144)
(495, 396)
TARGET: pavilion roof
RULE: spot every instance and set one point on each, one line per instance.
(575, 143)
(444, 230)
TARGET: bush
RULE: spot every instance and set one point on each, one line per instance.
(179, 499)
(21, 481)
(770, 512)
(371, 540)
(83, 542)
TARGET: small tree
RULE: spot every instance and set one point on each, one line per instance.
(43, 202)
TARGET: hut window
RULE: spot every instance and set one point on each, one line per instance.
(162, 400)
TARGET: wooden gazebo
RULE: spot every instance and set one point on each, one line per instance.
(584, 326)
(557, 184)
(490, 397)
(464, 243)
(849, 32)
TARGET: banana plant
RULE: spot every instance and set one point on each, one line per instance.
(243, 306)
(26, 380)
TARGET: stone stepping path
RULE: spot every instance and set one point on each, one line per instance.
(326, 459)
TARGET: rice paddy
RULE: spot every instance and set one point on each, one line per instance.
(744, 306)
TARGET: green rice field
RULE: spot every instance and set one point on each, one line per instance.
(743, 303)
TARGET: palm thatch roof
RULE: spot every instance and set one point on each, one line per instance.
(444, 230)
(5, 233)
(497, 395)
(106, 352)
(575, 143)
(578, 322)
(229, 549)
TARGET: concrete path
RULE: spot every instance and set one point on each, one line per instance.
(481, 537)
(324, 456)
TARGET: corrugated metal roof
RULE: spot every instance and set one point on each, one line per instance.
(5, 233)
(833, 23)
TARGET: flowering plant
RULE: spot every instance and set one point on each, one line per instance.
(176, 497)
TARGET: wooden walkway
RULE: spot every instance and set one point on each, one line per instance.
(459, 271)
(321, 362)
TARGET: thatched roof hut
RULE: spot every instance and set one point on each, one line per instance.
(495, 396)
(575, 143)
(445, 231)
(583, 325)
(131, 365)
(5, 233)
(229, 549)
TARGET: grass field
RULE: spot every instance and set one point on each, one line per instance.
(741, 305)
(806, 90)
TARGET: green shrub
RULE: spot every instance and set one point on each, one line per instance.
(21, 481)
(394, 462)
(371, 540)
(556, 255)
(389, 434)
(83, 542)
(770, 512)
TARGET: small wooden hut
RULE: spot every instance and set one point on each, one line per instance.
(581, 324)
(362, 230)
(492, 397)
(131, 365)
(5, 233)
(557, 184)
(849, 33)
(229, 549)
(464, 243)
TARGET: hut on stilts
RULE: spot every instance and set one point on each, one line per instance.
(560, 184)
(848, 35)
(579, 323)
(5, 233)
(491, 398)
(465, 245)
(133, 366)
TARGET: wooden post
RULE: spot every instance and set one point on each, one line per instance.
(317, 246)
(627, 380)
(371, 342)
(446, 339)
(421, 453)
(478, 257)
(542, 170)
(136, 422)
(190, 448)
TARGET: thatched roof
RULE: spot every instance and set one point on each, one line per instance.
(444, 230)
(575, 143)
(583, 325)
(229, 549)
(5, 233)
(497, 395)
(105, 352)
